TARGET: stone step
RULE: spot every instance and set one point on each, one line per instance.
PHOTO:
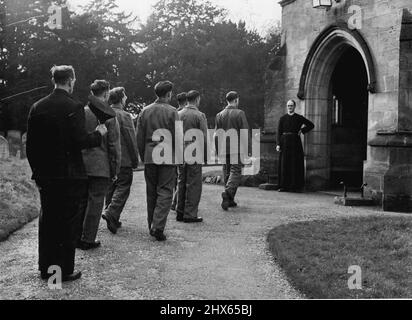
(268, 186)
(355, 202)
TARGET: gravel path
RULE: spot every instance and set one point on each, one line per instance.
(226, 257)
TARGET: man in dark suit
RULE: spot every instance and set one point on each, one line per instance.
(231, 153)
(190, 172)
(55, 138)
(159, 117)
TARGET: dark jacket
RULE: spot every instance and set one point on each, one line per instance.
(104, 160)
(159, 115)
(55, 137)
(192, 118)
(231, 118)
(128, 142)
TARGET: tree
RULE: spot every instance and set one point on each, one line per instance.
(21, 63)
(191, 44)
(115, 51)
(98, 43)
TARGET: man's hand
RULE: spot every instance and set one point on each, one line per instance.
(278, 148)
(102, 129)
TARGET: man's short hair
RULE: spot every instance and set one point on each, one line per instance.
(232, 95)
(116, 95)
(62, 74)
(182, 97)
(98, 87)
(293, 101)
(162, 88)
(193, 95)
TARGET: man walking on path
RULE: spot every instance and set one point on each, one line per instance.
(119, 189)
(190, 173)
(56, 135)
(102, 166)
(231, 153)
(182, 102)
(159, 117)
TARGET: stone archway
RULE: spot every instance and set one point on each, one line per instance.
(316, 92)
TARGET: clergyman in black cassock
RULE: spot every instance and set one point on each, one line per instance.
(56, 135)
(291, 159)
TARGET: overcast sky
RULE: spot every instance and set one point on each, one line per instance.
(258, 14)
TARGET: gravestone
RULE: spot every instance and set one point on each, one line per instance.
(4, 148)
(23, 146)
(14, 139)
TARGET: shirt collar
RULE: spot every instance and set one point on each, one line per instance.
(230, 107)
(161, 100)
(191, 106)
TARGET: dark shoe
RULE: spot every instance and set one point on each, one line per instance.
(282, 190)
(225, 201)
(232, 204)
(179, 218)
(118, 224)
(72, 277)
(82, 245)
(159, 235)
(173, 208)
(192, 220)
(111, 223)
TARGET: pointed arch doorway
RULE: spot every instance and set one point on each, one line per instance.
(336, 81)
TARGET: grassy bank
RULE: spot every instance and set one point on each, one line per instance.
(316, 255)
(19, 202)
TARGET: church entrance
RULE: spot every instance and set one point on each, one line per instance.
(349, 119)
(334, 89)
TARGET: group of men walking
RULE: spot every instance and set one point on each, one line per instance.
(82, 158)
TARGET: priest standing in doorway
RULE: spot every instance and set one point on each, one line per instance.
(291, 165)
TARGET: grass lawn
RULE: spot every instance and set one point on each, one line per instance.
(316, 255)
(19, 202)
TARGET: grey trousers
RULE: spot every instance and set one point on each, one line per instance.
(232, 174)
(118, 193)
(97, 188)
(190, 190)
(175, 191)
(160, 180)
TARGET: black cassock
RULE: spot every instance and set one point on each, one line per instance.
(291, 166)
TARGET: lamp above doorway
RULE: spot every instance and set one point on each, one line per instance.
(323, 3)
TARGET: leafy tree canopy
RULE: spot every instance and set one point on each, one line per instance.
(189, 42)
